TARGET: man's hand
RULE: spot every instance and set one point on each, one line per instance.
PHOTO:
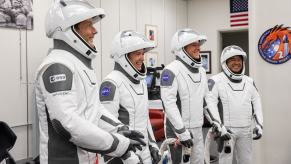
(156, 157)
(222, 140)
(258, 132)
(131, 134)
(221, 131)
(216, 127)
(225, 134)
(188, 143)
(186, 140)
(134, 145)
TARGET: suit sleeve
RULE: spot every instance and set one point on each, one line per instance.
(108, 95)
(152, 140)
(212, 101)
(169, 90)
(109, 98)
(257, 106)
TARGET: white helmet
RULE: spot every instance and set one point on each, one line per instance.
(129, 41)
(183, 38)
(229, 52)
(61, 18)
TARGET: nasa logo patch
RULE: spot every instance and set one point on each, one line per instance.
(166, 77)
(105, 91)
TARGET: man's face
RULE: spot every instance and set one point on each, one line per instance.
(87, 31)
(136, 58)
(235, 63)
(193, 50)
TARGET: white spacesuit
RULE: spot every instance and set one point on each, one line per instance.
(124, 92)
(71, 117)
(183, 88)
(233, 100)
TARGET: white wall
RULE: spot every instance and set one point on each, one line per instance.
(21, 52)
(19, 63)
(209, 17)
(167, 15)
(273, 81)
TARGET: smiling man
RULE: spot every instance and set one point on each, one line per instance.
(234, 102)
(183, 88)
(137, 58)
(87, 31)
(74, 126)
(124, 91)
(235, 64)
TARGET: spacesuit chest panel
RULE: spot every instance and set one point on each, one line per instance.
(86, 87)
(189, 83)
(191, 92)
(133, 97)
(236, 100)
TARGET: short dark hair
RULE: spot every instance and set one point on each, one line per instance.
(76, 26)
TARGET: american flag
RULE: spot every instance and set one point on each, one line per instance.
(239, 13)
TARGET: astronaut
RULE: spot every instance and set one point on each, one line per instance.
(183, 88)
(71, 116)
(233, 100)
(124, 91)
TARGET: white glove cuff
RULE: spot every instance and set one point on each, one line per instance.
(223, 130)
(122, 146)
(260, 130)
(132, 159)
(184, 136)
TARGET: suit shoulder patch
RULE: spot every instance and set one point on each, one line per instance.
(107, 91)
(167, 77)
(57, 77)
(211, 83)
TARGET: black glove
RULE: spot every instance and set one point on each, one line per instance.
(226, 137)
(155, 155)
(133, 145)
(225, 134)
(131, 134)
(258, 131)
(223, 141)
(216, 127)
(189, 142)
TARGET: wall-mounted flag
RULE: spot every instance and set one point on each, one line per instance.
(239, 13)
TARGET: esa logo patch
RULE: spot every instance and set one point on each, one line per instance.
(57, 78)
(275, 45)
(165, 77)
(105, 91)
